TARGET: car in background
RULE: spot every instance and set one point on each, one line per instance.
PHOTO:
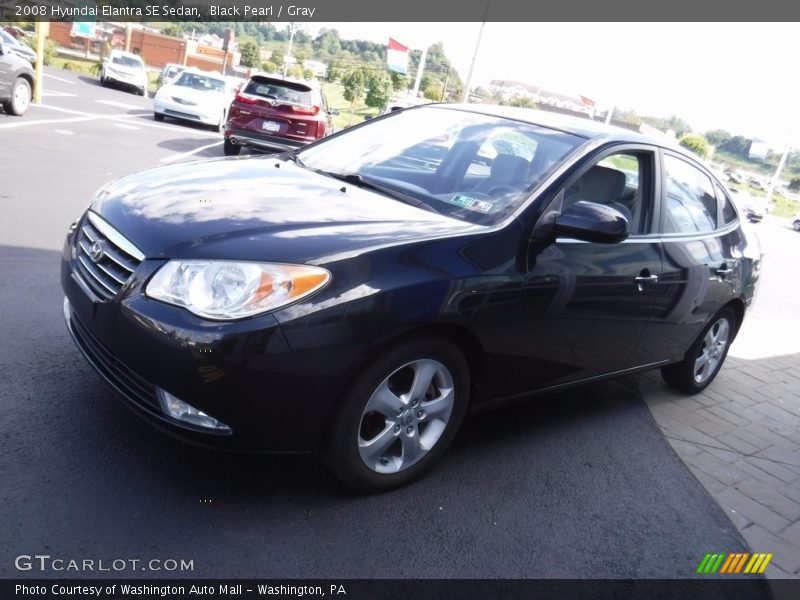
(170, 71)
(195, 95)
(334, 302)
(754, 208)
(270, 113)
(16, 81)
(18, 32)
(124, 69)
(19, 48)
(400, 104)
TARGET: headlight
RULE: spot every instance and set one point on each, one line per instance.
(224, 290)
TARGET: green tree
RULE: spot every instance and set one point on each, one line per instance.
(380, 89)
(717, 137)
(277, 57)
(354, 86)
(696, 143)
(399, 81)
(173, 29)
(251, 55)
(522, 102)
(269, 67)
(433, 91)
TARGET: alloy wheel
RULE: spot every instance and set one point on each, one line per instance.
(712, 350)
(405, 416)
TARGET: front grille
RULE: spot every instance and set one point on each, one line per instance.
(177, 113)
(105, 275)
(125, 381)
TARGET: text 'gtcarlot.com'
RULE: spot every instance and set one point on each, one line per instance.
(45, 562)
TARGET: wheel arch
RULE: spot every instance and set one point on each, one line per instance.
(738, 308)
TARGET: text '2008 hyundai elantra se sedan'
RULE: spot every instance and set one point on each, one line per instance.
(356, 298)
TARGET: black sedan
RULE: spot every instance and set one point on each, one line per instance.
(345, 300)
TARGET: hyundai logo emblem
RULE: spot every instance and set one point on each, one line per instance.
(96, 252)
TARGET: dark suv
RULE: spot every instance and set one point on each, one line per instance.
(276, 114)
(16, 82)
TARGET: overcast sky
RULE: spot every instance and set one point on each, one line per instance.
(742, 77)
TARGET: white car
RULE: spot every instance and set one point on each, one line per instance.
(197, 96)
(124, 68)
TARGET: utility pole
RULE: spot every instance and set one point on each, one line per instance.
(42, 29)
(609, 114)
(420, 69)
(465, 98)
(289, 51)
(774, 181)
(446, 80)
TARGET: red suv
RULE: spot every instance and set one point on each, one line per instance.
(277, 114)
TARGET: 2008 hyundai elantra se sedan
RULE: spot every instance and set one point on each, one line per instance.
(358, 297)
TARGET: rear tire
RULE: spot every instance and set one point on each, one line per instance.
(20, 99)
(705, 358)
(231, 149)
(399, 416)
(796, 225)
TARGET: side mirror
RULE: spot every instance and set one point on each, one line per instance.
(592, 222)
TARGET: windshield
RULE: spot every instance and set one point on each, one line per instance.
(470, 166)
(200, 82)
(127, 61)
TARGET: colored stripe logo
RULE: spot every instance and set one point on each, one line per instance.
(735, 562)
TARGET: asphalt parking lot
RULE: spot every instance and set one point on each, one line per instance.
(581, 484)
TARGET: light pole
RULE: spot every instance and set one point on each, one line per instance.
(465, 97)
(289, 51)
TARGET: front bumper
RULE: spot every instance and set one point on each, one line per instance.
(242, 373)
(123, 80)
(262, 141)
(194, 113)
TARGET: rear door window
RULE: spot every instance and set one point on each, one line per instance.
(691, 205)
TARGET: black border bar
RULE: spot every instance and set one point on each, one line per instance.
(713, 588)
(403, 10)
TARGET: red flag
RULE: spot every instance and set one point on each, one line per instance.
(586, 101)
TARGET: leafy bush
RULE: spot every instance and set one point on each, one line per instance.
(695, 143)
(49, 55)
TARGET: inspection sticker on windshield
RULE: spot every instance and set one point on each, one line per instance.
(471, 203)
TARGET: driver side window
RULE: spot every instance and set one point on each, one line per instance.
(622, 181)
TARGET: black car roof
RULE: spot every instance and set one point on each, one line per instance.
(585, 128)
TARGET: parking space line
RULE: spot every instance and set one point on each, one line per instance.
(57, 94)
(46, 122)
(59, 79)
(175, 157)
(119, 118)
(120, 104)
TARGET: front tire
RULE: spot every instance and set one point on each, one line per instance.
(796, 225)
(704, 359)
(20, 98)
(399, 417)
(158, 117)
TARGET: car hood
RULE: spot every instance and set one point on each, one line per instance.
(258, 209)
(184, 93)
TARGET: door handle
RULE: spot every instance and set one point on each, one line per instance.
(644, 279)
(723, 271)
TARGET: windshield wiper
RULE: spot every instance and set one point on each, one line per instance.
(371, 184)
